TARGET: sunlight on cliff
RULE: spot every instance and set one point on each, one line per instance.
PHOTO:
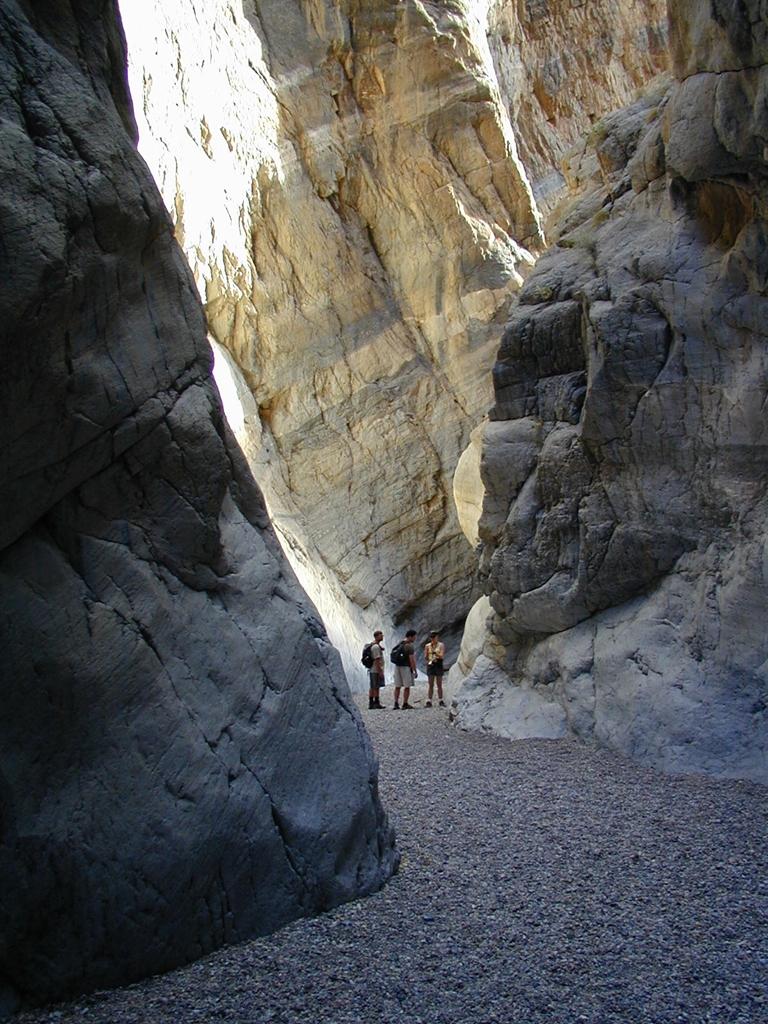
(478, 14)
(348, 626)
(294, 291)
(232, 397)
(207, 106)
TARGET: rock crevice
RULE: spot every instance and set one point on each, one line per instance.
(376, 219)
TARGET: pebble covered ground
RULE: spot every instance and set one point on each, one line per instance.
(540, 881)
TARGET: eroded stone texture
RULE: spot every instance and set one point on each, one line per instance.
(181, 765)
(374, 227)
(563, 64)
(624, 523)
(347, 185)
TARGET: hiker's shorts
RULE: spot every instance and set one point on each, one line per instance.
(403, 675)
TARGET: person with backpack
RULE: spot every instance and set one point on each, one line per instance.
(405, 669)
(373, 659)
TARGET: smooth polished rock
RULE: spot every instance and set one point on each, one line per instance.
(181, 764)
(474, 635)
(725, 35)
(468, 486)
(487, 700)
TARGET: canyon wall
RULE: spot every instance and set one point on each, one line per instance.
(561, 66)
(625, 466)
(181, 765)
(347, 185)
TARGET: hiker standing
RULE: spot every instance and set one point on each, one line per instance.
(376, 671)
(405, 669)
(434, 652)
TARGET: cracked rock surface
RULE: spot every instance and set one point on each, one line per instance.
(181, 765)
(346, 182)
(625, 470)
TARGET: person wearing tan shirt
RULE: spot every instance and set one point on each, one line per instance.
(434, 652)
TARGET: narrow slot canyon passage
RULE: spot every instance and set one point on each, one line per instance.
(540, 881)
(487, 283)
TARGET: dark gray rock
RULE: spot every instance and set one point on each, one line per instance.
(624, 551)
(181, 765)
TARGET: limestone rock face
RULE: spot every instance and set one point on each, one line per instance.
(563, 64)
(181, 765)
(347, 185)
(472, 640)
(374, 227)
(625, 518)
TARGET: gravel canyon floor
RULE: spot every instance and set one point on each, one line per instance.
(540, 881)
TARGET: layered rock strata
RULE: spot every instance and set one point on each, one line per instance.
(625, 472)
(562, 65)
(346, 183)
(181, 765)
(361, 294)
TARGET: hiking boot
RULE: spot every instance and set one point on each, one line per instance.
(371, 705)
(442, 703)
(396, 707)
(379, 705)
(407, 707)
(428, 704)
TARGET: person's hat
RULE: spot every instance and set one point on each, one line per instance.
(434, 633)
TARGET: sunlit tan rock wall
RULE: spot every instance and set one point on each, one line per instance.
(358, 266)
(347, 185)
(563, 64)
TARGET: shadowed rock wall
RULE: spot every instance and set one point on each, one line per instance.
(180, 762)
(625, 515)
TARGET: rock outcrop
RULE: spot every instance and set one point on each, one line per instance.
(562, 65)
(181, 765)
(346, 183)
(625, 515)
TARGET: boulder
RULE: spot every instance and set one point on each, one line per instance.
(181, 765)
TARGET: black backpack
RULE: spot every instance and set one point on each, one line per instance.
(367, 658)
(399, 656)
